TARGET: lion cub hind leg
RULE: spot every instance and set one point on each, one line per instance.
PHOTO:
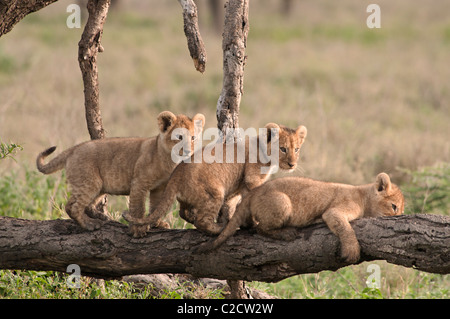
(93, 211)
(206, 216)
(187, 212)
(271, 215)
(338, 222)
(85, 194)
(76, 207)
(227, 210)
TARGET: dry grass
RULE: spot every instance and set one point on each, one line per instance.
(372, 100)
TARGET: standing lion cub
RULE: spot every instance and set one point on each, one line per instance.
(202, 189)
(120, 166)
(278, 206)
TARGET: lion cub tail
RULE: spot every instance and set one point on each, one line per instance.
(54, 165)
(239, 219)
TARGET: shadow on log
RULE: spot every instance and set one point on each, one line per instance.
(420, 241)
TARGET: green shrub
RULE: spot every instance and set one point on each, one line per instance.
(7, 150)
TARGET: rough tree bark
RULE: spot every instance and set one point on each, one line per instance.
(420, 241)
(191, 30)
(234, 42)
(88, 48)
(12, 11)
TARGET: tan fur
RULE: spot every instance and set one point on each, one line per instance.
(119, 166)
(203, 188)
(278, 206)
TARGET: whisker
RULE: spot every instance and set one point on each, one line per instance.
(300, 169)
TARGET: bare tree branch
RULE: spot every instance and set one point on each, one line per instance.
(88, 47)
(235, 34)
(12, 11)
(192, 32)
(420, 241)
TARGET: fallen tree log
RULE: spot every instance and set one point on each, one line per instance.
(420, 241)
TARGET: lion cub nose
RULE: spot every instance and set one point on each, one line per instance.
(291, 165)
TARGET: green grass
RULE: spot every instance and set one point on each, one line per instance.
(28, 284)
(32, 196)
(350, 282)
(429, 189)
(7, 64)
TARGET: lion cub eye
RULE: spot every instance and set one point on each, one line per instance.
(395, 208)
(283, 149)
(193, 137)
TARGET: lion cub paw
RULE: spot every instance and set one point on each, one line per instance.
(162, 224)
(91, 224)
(288, 234)
(351, 253)
(138, 231)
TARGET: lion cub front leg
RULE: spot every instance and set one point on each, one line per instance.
(138, 194)
(338, 222)
(155, 198)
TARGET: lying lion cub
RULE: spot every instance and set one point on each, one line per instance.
(278, 206)
(119, 166)
(203, 188)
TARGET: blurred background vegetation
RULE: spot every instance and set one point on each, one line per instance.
(372, 99)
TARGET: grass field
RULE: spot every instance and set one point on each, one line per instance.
(372, 99)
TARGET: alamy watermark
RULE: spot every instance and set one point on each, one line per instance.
(235, 151)
(73, 281)
(374, 279)
(374, 19)
(74, 19)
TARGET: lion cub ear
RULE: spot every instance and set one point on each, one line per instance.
(269, 127)
(199, 117)
(301, 131)
(383, 183)
(165, 120)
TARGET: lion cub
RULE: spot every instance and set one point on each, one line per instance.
(120, 166)
(278, 206)
(203, 188)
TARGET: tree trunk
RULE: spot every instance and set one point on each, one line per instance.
(418, 241)
(234, 42)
